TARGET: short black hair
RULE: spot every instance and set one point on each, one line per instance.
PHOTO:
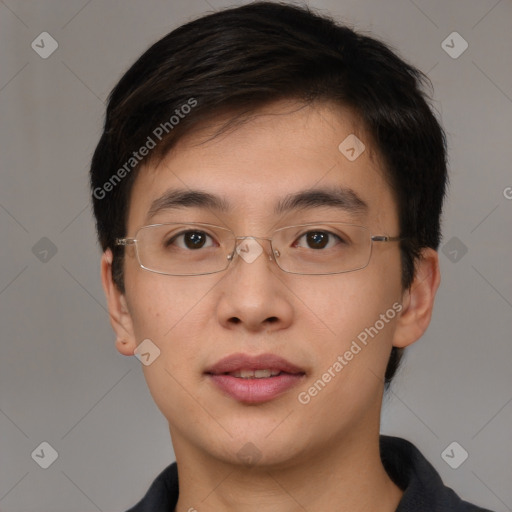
(240, 59)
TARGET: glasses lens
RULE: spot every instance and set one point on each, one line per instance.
(184, 249)
(328, 248)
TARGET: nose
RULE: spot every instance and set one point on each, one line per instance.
(253, 296)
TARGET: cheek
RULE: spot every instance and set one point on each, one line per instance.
(173, 312)
(162, 306)
(354, 320)
(169, 311)
(342, 305)
(352, 346)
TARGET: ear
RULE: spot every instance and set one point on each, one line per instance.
(418, 300)
(120, 317)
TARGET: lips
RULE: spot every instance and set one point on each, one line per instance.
(254, 379)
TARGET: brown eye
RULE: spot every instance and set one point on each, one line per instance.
(190, 240)
(318, 240)
(194, 239)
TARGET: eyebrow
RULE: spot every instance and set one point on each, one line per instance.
(181, 198)
(338, 197)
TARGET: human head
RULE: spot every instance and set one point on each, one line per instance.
(238, 60)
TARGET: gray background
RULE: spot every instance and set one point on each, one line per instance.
(61, 379)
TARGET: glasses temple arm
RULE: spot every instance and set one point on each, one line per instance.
(125, 241)
(384, 238)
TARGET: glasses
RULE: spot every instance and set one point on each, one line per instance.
(192, 249)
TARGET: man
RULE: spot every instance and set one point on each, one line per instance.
(268, 189)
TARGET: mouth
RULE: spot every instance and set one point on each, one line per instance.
(254, 374)
(254, 379)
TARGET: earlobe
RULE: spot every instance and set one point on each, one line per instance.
(119, 313)
(418, 300)
(124, 347)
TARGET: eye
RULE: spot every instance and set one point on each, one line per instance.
(318, 240)
(190, 240)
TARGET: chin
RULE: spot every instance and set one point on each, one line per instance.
(261, 446)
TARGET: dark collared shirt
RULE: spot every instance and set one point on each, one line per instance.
(422, 486)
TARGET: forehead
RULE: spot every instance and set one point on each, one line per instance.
(255, 167)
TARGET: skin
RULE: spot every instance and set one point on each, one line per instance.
(319, 456)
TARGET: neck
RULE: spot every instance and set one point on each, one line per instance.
(347, 476)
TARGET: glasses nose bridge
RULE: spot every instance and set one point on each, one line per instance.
(238, 239)
(245, 237)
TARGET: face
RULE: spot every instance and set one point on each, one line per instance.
(311, 328)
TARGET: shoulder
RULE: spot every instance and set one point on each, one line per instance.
(162, 495)
(422, 485)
